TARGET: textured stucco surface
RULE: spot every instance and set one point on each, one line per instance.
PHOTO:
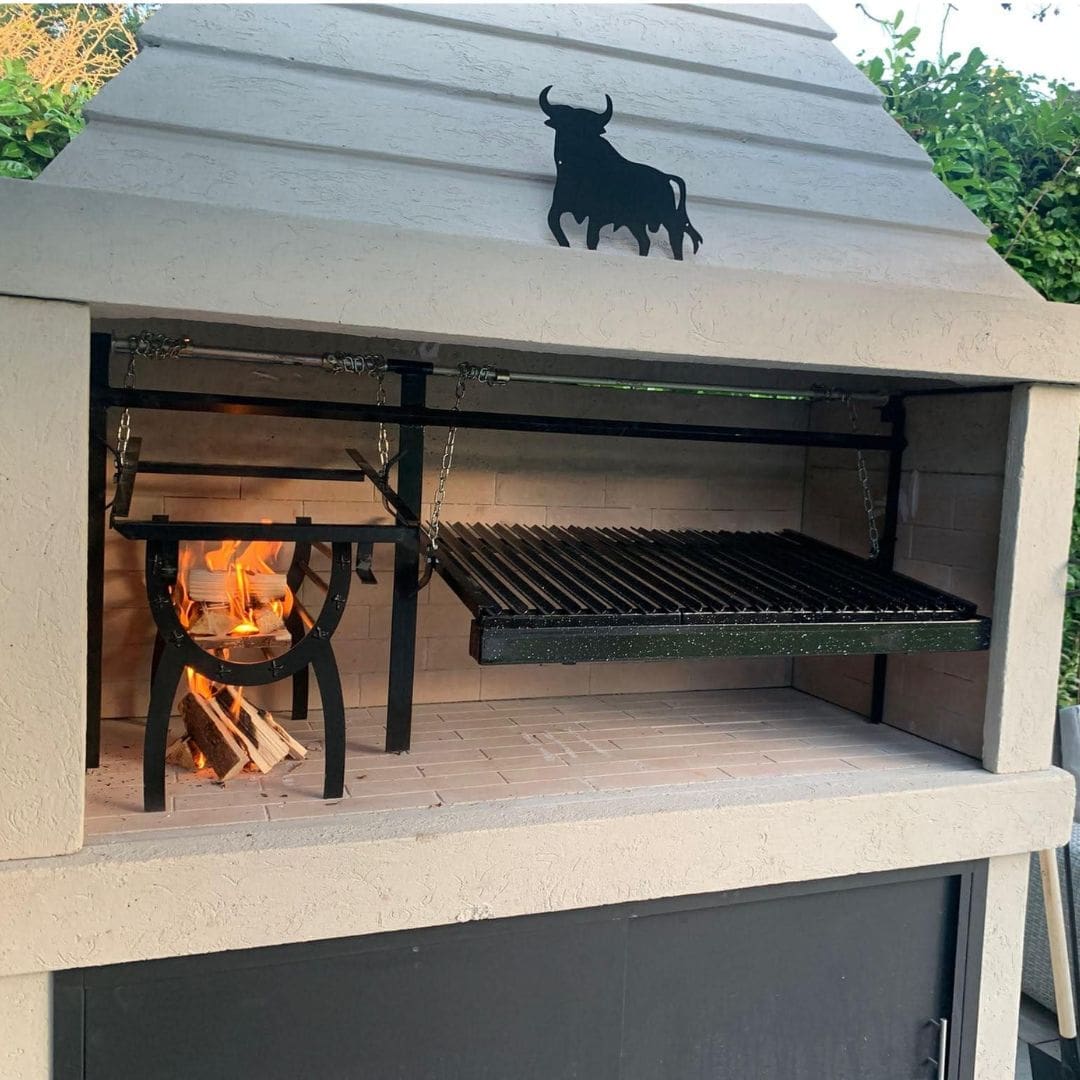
(1040, 470)
(790, 162)
(25, 1021)
(43, 409)
(1003, 947)
(404, 869)
(129, 255)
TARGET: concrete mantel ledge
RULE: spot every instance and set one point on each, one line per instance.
(337, 877)
(136, 256)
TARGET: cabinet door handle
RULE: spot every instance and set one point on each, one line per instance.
(941, 1062)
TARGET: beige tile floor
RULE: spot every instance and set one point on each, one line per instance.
(480, 751)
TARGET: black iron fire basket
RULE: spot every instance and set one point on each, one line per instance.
(175, 649)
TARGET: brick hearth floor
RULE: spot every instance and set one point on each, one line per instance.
(478, 751)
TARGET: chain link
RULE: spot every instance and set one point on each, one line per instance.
(384, 436)
(343, 363)
(464, 372)
(864, 483)
(144, 346)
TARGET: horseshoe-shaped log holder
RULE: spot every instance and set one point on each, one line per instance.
(175, 648)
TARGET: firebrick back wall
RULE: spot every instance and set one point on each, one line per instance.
(531, 479)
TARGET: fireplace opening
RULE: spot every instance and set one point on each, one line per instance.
(694, 539)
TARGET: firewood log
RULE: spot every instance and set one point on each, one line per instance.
(209, 728)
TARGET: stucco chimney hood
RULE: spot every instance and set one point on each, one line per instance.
(387, 170)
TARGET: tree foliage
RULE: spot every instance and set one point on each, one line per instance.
(1009, 145)
(53, 58)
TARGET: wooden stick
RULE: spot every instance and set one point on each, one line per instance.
(1059, 952)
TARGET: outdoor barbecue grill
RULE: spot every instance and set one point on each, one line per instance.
(546, 594)
(563, 595)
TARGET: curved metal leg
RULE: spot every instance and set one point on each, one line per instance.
(301, 681)
(162, 691)
(159, 649)
(300, 694)
(333, 705)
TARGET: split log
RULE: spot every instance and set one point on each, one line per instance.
(268, 742)
(212, 732)
(268, 621)
(296, 751)
(263, 746)
(182, 753)
(213, 622)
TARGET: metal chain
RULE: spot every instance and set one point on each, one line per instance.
(464, 373)
(146, 346)
(864, 483)
(343, 363)
(384, 436)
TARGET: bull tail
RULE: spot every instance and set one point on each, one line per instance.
(680, 208)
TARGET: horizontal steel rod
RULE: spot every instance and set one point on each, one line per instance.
(238, 405)
(248, 356)
(952, 391)
(247, 530)
(270, 472)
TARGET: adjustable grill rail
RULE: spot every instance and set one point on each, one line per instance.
(568, 595)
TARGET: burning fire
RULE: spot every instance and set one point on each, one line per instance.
(232, 597)
(230, 591)
(235, 571)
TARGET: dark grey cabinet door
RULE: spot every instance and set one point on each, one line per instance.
(499, 1002)
(837, 982)
(828, 986)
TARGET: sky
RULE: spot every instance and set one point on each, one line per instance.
(1049, 48)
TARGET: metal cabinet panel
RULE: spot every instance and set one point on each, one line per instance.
(838, 985)
(519, 1002)
(819, 981)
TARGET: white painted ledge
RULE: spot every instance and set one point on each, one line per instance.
(309, 880)
(135, 256)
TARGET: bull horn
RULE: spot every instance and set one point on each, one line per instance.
(608, 111)
(544, 100)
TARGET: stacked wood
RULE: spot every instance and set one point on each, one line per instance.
(209, 729)
(231, 735)
(213, 622)
(266, 740)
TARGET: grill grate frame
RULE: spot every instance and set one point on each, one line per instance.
(567, 594)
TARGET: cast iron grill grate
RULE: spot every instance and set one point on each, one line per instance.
(553, 594)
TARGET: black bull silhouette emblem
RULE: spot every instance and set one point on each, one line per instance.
(593, 180)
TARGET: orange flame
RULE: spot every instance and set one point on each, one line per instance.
(238, 563)
(199, 684)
